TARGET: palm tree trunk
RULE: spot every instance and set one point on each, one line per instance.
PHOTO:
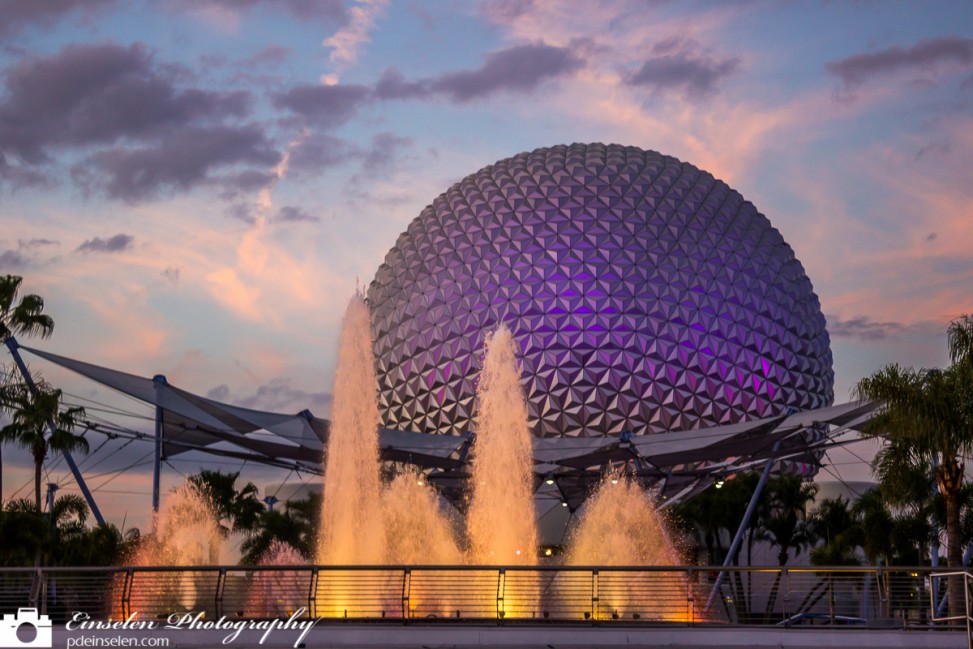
(949, 476)
(954, 555)
(38, 468)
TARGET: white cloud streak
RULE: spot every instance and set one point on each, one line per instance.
(347, 42)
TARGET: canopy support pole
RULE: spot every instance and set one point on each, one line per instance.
(160, 385)
(14, 351)
(738, 538)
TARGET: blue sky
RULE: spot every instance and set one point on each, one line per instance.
(197, 187)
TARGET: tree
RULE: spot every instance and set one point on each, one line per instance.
(782, 522)
(237, 510)
(25, 317)
(783, 525)
(31, 411)
(928, 413)
(22, 532)
(836, 524)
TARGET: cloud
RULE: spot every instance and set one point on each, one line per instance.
(676, 67)
(237, 184)
(17, 15)
(180, 161)
(116, 243)
(863, 328)
(292, 214)
(99, 94)
(23, 255)
(36, 243)
(520, 69)
(347, 41)
(171, 273)
(332, 11)
(12, 260)
(277, 395)
(924, 55)
(385, 149)
(393, 85)
(324, 106)
(17, 176)
(321, 151)
(272, 56)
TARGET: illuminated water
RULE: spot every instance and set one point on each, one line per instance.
(352, 526)
(620, 526)
(187, 533)
(500, 520)
(405, 522)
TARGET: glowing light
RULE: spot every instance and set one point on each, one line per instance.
(615, 480)
(563, 504)
(548, 552)
(549, 480)
(719, 483)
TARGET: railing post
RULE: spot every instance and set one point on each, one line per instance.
(501, 578)
(406, 591)
(312, 594)
(127, 593)
(220, 583)
(42, 576)
(969, 620)
(594, 595)
(691, 594)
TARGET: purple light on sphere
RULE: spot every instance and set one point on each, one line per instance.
(644, 295)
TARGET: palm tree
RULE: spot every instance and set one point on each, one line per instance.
(25, 317)
(237, 510)
(927, 413)
(782, 522)
(783, 525)
(31, 412)
(275, 526)
(23, 531)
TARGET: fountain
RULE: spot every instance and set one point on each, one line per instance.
(352, 525)
(187, 533)
(500, 519)
(366, 525)
(618, 526)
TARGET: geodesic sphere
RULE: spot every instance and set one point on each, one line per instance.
(643, 294)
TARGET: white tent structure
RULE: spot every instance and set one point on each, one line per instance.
(677, 464)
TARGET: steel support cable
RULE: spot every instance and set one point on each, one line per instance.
(842, 481)
(109, 455)
(106, 410)
(118, 473)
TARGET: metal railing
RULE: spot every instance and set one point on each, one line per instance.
(676, 595)
(939, 605)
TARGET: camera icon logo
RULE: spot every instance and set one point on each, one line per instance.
(25, 629)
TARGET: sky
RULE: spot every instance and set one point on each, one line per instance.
(197, 187)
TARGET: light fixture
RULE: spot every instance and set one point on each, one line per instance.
(719, 483)
(614, 479)
(419, 481)
(564, 504)
(548, 552)
(549, 479)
